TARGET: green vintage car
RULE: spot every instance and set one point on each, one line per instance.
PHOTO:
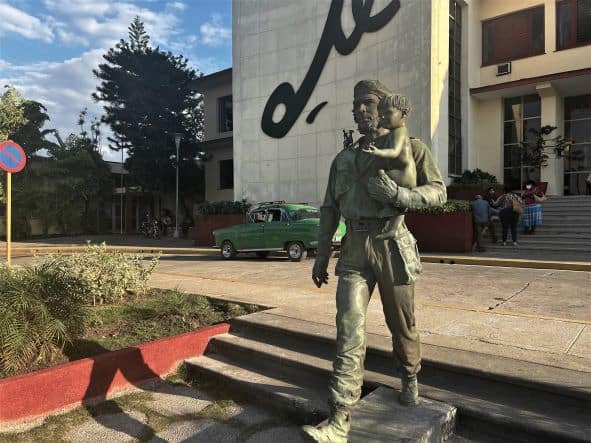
(275, 226)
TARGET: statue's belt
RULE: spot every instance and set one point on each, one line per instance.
(366, 224)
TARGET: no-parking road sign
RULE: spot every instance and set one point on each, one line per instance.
(12, 157)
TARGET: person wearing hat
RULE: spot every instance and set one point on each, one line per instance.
(357, 190)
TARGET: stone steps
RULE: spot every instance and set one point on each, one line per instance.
(287, 362)
(304, 399)
(565, 231)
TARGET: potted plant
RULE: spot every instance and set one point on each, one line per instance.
(214, 215)
(446, 228)
(534, 150)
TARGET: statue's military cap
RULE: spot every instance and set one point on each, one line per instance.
(371, 87)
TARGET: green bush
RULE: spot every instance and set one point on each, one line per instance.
(476, 177)
(43, 308)
(223, 207)
(450, 206)
(108, 275)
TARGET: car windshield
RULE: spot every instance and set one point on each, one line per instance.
(304, 213)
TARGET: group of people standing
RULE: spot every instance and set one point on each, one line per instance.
(509, 208)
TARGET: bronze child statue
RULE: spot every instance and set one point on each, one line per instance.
(396, 153)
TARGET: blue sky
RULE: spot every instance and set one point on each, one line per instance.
(48, 48)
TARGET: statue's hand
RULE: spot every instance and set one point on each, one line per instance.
(382, 188)
(319, 271)
(372, 149)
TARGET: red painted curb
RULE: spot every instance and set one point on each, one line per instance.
(29, 396)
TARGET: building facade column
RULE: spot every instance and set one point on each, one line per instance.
(552, 114)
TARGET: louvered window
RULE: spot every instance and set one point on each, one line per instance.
(225, 113)
(573, 23)
(513, 36)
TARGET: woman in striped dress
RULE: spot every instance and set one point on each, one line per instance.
(532, 212)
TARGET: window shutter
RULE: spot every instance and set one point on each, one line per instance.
(511, 36)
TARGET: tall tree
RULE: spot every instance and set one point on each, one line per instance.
(148, 98)
(62, 188)
(22, 120)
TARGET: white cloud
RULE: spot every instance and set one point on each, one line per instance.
(64, 89)
(103, 23)
(176, 5)
(213, 33)
(15, 21)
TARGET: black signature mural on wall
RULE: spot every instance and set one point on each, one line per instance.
(332, 36)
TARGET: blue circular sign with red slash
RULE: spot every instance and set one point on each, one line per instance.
(12, 157)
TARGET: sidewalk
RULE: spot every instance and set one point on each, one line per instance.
(535, 315)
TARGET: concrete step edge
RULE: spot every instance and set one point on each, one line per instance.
(503, 369)
(307, 404)
(537, 240)
(245, 349)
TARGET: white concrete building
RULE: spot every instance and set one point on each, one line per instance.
(446, 56)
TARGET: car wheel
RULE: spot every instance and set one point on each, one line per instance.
(262, 254)
(296, 251)
(227, 250)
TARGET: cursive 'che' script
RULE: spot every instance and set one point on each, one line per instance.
(332, 36)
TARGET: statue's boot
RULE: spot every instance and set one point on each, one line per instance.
(336, 431)
(409, 394)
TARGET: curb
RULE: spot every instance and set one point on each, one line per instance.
(67, 386)
(126, 249)
(426, 258)
(508, 262)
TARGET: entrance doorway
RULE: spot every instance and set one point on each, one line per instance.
(577, 129)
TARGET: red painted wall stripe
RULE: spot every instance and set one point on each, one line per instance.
(25, 397)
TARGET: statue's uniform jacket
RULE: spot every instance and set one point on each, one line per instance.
(365, 261)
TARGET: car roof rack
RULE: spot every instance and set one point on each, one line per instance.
(263, 204)
(277, 202)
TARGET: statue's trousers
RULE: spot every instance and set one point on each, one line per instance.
(365, 262)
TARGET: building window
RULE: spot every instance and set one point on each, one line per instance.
(522, 116)
(455, 97)
(513, 36)
(225, 113)
(573, 23)
(577, 129)
(226, 174)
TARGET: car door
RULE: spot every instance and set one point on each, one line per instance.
(252, 233)
(276, 228)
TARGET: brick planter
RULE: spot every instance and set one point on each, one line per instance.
(442, 232)
(205, 225)
(59, 388)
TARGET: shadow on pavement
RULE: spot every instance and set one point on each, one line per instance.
(135, 371)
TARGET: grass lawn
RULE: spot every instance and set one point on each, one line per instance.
(160, 313)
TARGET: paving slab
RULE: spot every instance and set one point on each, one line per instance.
(565, 294)
(112, 428)
(248, 415)
(379, 417)
(582, 344)
(529, 333)
(283, 434)
(171, 400)
(197, 431)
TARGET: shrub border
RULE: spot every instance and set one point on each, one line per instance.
(64, 387)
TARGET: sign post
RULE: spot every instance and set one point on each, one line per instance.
(12, 159)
